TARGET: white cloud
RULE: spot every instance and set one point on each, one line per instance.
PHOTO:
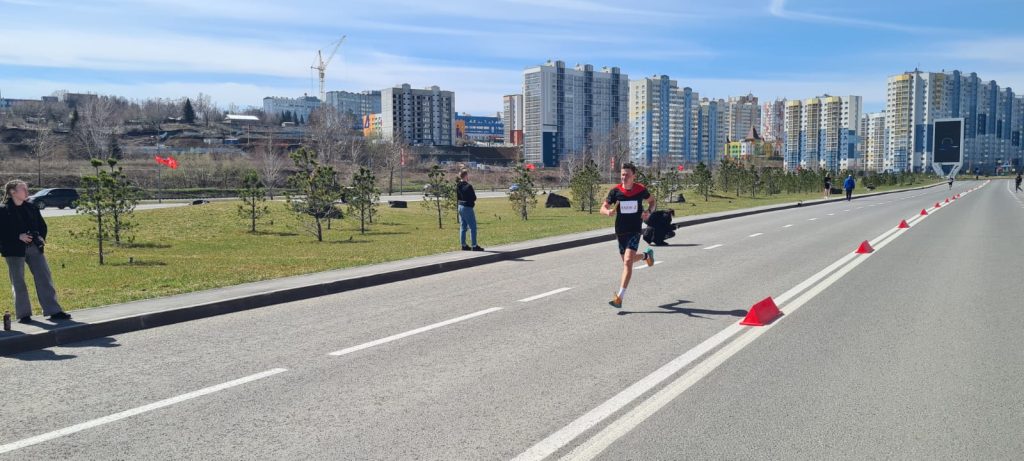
(778, 9)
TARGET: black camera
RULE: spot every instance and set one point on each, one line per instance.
(37, 239)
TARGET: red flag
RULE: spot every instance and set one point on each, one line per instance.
(680, 168)
(530, 166)
(160, 160)
(403, 157)
(171, 162)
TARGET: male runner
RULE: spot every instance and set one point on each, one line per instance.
(629, 218)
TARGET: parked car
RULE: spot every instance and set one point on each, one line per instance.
(60, 198)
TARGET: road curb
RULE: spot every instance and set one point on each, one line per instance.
(76, 332)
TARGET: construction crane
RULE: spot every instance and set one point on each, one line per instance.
(321, 64)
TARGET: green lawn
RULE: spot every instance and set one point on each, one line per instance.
(179, 250)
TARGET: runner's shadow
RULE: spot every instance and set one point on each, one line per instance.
(43, 355)
(673, 308)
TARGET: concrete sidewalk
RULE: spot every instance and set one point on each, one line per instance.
(114, 319)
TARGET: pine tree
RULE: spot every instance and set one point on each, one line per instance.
(188, 114)
(439, 194)
(319, 188)
(254, 197)
(525, 195)
(584, 184)
(363, 197)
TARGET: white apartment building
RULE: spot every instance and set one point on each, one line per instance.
(872, 141)
(773, 118)
(660, 121)
(742, 114)
(566, 109)
(512, 118)
(355, 104)
(418, 117)
(821, 133)
(299, 107)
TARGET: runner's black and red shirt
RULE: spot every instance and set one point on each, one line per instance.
(629, 216)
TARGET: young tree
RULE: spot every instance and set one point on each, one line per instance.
(95, 202)
(363, 197)
(271, 164)
(43, 149)
(114, 150)
(318, 186)
(584, 185)
(703, 180)
(123, 197)
(439, 194)
(525, 195)
(188, 114)
(254, 199)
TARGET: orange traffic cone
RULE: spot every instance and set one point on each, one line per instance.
(864, 248)
(904, 225)
(762, 313)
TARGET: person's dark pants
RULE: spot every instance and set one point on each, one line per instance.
(45, 290)
(849, 194)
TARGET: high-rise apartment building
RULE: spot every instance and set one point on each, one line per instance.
(565, 110)
(710, 131)
(742, 114)
(661, 121)
(773, 117)
(872, 142)
(418, 117)
(821, 132)
(512, 118)
(914, 100)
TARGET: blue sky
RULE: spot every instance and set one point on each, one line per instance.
(239, 51)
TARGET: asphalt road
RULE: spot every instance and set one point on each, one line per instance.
(910, 352)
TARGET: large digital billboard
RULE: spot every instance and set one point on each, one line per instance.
(948, 140)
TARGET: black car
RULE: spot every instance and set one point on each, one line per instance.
(60, 198)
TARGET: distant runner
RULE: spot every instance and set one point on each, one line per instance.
(950, 182)
(629, 219)
(1018, 182)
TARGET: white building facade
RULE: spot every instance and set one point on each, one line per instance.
(418, 117)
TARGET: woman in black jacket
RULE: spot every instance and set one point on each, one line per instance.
(467, 217)
(22, 237)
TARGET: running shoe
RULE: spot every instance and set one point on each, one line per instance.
(649, 257)
(616, 301)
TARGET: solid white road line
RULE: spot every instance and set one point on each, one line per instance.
(135, 411)
(755, 235)
(552, 292)
(414, 332)
(712, 247)
(559, 439)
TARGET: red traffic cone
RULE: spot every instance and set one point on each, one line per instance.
(924, 213)
(762, 313)
(904, 225)
(937, 204)
(947, 200)
(864, 248)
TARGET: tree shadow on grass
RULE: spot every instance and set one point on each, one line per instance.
(277, 233)
(350, 240)
(133, 245)
(139, 264)
(373, 233)
(672, 308)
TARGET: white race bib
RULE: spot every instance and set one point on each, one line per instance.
(629, 207)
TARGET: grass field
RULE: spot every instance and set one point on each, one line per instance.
(179, 250)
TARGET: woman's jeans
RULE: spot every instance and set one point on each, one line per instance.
(47, 294)
(467, 220)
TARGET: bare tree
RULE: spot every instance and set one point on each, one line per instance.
(387, 157)
(611, 149)
(98, 120)
(271, 164)
(326, 132)
(45, 145)
(205, 108)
